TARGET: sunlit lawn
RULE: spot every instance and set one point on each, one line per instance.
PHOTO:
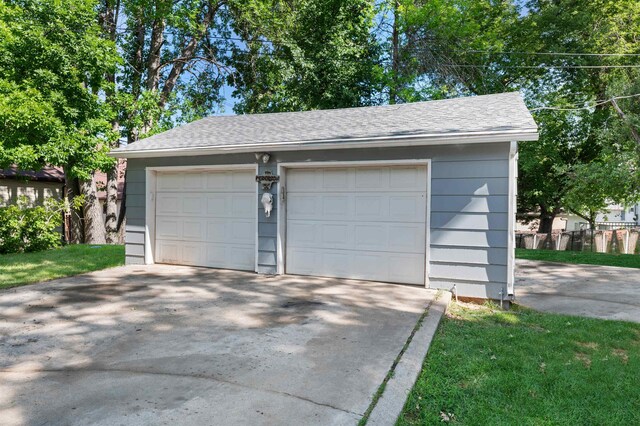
(521, 367)
(26, 268)
(623, 260)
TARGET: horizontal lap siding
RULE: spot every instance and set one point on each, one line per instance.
(469, 208)
(469, 223)
(135, 211)
(267, 226)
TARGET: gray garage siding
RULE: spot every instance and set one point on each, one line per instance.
(469, 208)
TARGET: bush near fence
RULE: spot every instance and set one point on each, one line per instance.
(623, 241)
(25, 229)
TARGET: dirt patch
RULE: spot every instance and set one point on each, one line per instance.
(588, 345)
(584, 359)
(622, 354)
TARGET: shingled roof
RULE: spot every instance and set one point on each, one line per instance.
(503, 113)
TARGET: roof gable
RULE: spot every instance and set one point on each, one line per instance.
(490, 114)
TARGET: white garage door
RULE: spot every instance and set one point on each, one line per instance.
(206, 219)
(357, 222)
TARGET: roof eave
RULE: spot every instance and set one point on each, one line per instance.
(375, 142)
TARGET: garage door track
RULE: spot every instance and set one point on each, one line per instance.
(179, 345)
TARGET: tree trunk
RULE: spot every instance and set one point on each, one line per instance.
(94, 230)
(395, 57)
(634, 132)
(546, 220)
(187, 54)
(111, 219)
(75, 229)
(155, 46)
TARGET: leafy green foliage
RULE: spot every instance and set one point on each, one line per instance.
(486, 367)
(304, 55)
(28, 229)
(52, 65)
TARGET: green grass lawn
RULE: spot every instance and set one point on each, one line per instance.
(26, 268)
(624, 260)
(521, 367)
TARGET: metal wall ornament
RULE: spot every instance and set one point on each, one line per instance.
(266, 180)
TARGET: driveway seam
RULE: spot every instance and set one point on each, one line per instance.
(388, 401)
(193, 376)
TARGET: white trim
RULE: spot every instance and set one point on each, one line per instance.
(257, 209)
(150, 205)
(427, 252)
(511, 240)
(369, 142)
(282, 218)
(150, 217)
(204, 168)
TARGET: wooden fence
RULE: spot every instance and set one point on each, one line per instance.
(602, 241)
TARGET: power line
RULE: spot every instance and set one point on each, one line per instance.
(543, 66)
(595, 104)
(512, 52)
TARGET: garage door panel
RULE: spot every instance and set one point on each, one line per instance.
(357, 222)
(168, 227)
(366, 236)
(335, 234)
(193, 181)
(352, 206)
(345, 264)
(206, 219)
(335, 178)
(243, 206)
(362, 179)
(168, 203)
(192, 205)
(335, 206)
(192, 229)
(168, 182)
(408, 178)
(168, 251)
(368, 178)
(240, 183)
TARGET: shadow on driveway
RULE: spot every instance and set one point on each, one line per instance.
(181, 345)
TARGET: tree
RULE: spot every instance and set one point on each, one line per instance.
(304, 54)
(462, 47)
(53, 60)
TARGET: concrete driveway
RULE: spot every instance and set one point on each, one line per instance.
(587, 290)
(179, 345)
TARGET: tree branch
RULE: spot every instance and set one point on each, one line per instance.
(622, 115)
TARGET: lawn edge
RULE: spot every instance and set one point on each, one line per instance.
(403, 377)
(16, 286)
(556, 262)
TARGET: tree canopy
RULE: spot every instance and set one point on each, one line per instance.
(82, 76)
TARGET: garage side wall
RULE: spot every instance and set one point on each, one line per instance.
(469, 209)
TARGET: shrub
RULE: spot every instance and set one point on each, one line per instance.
(26, 229)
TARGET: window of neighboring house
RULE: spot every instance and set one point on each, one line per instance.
(5, 195)
(29, 192)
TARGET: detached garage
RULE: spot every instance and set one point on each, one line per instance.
(420, 193)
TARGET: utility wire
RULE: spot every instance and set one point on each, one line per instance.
(577, 108)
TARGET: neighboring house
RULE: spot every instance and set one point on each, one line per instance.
(36, 186)
(616, 216)
(420, 193)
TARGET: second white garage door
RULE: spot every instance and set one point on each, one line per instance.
(357, 222)
(207, 219)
